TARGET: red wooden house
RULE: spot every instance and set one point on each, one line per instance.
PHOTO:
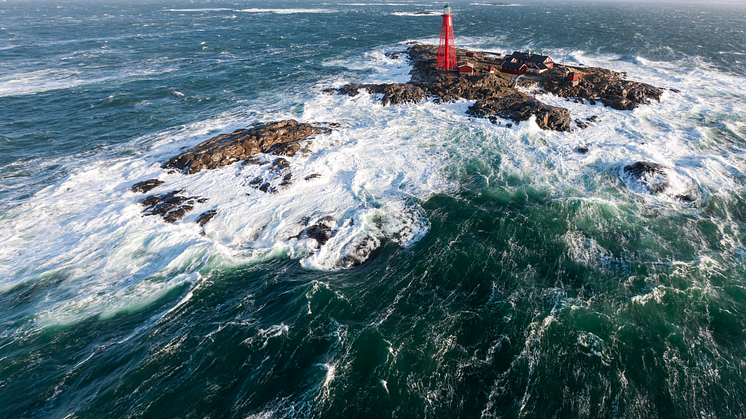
(513, 67)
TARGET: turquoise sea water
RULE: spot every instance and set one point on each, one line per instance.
(514, 276)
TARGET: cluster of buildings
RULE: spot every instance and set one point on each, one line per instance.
(521, 62)
(515, 63)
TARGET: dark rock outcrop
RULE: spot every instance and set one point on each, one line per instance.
(281, 137)
(609, 87)
(654, 178)
(393, 93)
(278, 177)
(650, 175)
(171, 206)
(206, 216)
(519, 107)
(146, 185)
(321, 231)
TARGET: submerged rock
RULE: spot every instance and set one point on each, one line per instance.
(657, 179)
(354, 253)
(684, 198)
(651, 176)
(281, 137)
(359, 251)
(278, 177)
(321, 231)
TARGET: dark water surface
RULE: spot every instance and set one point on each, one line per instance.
(514, 276)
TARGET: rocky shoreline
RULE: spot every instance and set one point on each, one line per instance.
(496, 94)
(278, 138)
(281, 138)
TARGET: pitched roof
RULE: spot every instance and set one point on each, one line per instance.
(534, 58)
(516, 66)
(537, 58)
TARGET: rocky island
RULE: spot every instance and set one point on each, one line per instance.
(496, 95)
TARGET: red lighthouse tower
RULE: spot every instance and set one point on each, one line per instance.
(446, 49)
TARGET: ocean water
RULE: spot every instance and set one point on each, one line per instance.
(513, 276)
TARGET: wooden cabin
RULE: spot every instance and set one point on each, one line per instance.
(466, 70)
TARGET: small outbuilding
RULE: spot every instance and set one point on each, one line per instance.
(471, 54)
(466, 69)
(492, 70)
(573, 78)
(538, 68)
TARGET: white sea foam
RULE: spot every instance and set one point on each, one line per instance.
(378, 64)
(254, 10)
(585, 251)
(655, 295)
(286, 11)
(384, 4)
(38, 81)
(105, 259)
(415, 14)
(206, 9)
(86, 237)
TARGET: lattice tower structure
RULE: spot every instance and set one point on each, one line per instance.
(446, 48)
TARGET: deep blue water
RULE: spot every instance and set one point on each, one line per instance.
(513, 276)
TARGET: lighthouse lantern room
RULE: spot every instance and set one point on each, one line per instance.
(446, 49)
